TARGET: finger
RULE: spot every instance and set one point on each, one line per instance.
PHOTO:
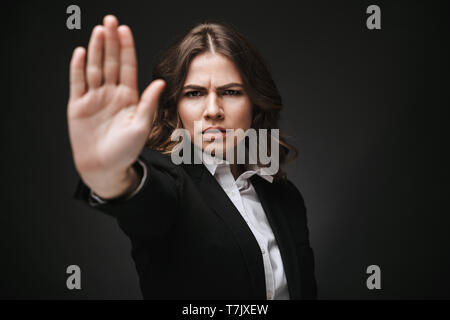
(112, 50)
(128, 63)
(77, 74)
(95, 58)
(149, 102)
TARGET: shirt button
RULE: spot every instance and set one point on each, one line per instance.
(263, 251)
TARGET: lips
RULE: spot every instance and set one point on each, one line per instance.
(213, 133)
(214, 130)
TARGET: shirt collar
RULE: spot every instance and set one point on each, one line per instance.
(212, 163)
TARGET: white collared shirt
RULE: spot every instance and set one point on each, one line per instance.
(244, 197)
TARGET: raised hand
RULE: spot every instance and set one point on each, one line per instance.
(108, 122)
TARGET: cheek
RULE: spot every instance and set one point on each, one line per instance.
(188, 114)
(242, 115)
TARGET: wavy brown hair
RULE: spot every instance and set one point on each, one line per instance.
(224, 39)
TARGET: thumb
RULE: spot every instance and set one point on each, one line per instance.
(148, 103)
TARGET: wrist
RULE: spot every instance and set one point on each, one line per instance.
(140, 169)
(117, 185)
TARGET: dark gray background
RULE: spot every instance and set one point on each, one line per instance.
(365, 108)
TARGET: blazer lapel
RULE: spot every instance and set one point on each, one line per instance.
(217, 199)
(280, 227)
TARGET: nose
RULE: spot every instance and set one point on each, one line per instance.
(213, 110)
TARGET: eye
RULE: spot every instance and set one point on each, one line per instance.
(193, 94)
(232, 92)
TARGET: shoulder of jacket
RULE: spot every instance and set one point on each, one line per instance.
(155, 157)
(290, 190)
(160, 161)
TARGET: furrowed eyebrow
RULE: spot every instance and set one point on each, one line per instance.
(224, 87)
(229, 85)
(193, 86)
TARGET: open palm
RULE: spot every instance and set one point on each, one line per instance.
(108, 122)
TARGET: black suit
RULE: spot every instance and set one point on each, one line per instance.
(190, 242)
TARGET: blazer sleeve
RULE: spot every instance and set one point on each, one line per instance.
(152, 211)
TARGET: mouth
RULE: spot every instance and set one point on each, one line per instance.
(213, 133)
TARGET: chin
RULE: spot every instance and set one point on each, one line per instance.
(217, 148)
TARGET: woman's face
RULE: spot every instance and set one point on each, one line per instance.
(213, 94)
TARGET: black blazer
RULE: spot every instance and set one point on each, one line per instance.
(190, 242)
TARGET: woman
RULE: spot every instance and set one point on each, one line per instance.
(219, 229)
